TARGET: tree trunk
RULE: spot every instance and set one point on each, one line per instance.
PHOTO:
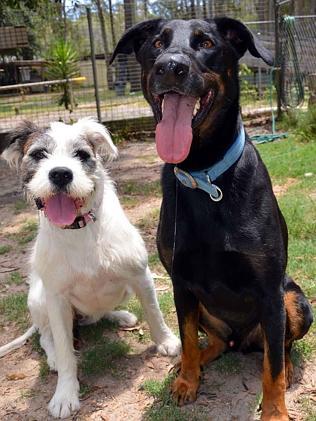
(133, 68)
(211, 6)
(145, 9)
(192, 9)
(112, 24)
(109, 72)
(204, 9)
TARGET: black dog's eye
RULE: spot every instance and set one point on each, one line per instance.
(82, 155)
(38, 154)
(207, 43)
(158, 43)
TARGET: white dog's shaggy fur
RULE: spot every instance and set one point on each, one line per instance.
(92, 269)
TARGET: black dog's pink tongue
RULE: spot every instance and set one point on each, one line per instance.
(174, 132)
(61, 209)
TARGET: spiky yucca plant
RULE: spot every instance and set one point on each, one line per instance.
(63, 63)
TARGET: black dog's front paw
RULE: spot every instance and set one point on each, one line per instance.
(184, 391)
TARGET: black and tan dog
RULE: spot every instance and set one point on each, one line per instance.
(221, 235)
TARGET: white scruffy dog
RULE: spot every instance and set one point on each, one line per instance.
(87, 255)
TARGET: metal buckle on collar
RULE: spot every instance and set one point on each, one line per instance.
(78, 223)
(92, 216)
(185, 178)
(216, 195)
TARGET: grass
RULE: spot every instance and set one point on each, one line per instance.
(20, 205)
(135, 307)
(302, 351)
(35, 343)
(153, 259)
(85, 389)
(149, 221)
(167, 307)
(301, 123)
(155, 264)
(103, 356)
(43, 369)
(14, 309)
(26, 233)
(288, 158)
(228, 364)
(135, 188)
(15, 278)
(5, 248)
(164, 408)
(94, 332)
(102, 353)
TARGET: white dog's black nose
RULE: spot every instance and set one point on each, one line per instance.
(60, 176)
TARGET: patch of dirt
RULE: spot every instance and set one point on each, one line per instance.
(280, 189)
(224, 396)
(143, 209)
(137, 162)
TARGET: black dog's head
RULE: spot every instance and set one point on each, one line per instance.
(189, 74)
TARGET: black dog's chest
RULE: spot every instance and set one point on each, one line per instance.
(224, 282)
(237, 309)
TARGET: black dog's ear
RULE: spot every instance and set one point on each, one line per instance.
(242, 39)
(16, 142)
(135, 36)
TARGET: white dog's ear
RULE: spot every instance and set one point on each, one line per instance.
(99, 137)
(17, 141)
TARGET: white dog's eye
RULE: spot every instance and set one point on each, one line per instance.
(82, 155)
(38, 154)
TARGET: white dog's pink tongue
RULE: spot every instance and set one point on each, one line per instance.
(174, 132)
(61, 209)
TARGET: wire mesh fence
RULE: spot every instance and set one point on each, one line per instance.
(298, 59)
(52, 29)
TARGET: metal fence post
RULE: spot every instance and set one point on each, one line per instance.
(94, 67)
(277, 64)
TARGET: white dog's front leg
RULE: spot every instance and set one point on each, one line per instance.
(167, 342)
(66, 397)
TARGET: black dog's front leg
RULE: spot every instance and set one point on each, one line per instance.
(274, 385)
(185, 386)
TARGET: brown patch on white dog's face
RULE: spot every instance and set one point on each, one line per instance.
(38, 146)
(19, 140)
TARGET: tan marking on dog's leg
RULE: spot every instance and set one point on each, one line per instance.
(294, 314)
(273, 403)
(185, 386)
(215, 348)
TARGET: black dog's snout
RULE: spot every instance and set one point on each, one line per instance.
(173, 66)
(60, 176)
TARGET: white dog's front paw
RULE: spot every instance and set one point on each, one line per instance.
(65, 400)
(170, 345)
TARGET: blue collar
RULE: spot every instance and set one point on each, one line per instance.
(203, 179)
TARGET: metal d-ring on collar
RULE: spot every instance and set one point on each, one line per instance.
(204, 179)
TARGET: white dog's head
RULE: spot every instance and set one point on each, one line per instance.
(61, 166)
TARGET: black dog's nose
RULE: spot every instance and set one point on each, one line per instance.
(174, 66)
(60, 176)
